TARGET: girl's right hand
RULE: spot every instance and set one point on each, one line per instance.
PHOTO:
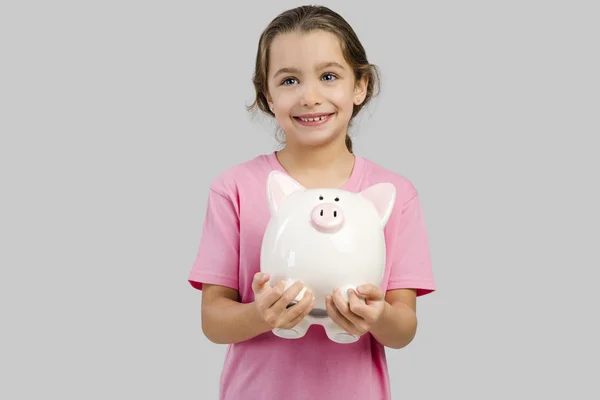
(272, 302)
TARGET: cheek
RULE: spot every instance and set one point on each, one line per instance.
(342, 97)
(284, 101)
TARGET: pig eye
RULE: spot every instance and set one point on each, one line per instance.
(320, 197)
(337, 199)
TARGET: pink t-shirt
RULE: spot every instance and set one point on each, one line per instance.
(312, 367)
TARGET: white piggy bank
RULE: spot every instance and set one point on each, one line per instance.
(327, 238)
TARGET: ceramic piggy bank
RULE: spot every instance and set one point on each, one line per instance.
(327, 238)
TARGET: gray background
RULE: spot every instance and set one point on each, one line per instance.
(116, 115)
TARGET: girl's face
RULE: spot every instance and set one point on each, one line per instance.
(312, 89)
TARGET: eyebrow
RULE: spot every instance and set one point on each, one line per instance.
(291, 70)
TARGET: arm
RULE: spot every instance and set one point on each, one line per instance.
(410, 275)
(215, 271)
(397, 326)
(225, 320)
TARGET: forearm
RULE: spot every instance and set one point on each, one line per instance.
(227, 321)
(397, 326)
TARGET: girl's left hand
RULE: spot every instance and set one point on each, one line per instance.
(354, 316)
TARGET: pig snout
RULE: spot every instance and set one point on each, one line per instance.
(327, 218)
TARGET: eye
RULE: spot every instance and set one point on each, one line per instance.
(320, 197)
(337, 199)
(332, 76)
(286, 81)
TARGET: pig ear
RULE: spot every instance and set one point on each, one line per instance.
(279, 187)
(383, 197)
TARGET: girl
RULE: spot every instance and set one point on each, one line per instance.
(313, 76)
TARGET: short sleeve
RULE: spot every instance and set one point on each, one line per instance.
(411, 263)
(217, 259)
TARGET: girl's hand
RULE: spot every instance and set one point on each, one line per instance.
(273, 303)
(354, 316)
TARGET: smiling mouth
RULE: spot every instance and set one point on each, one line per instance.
(313, 119)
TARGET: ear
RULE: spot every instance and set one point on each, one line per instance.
(360, 90)
(383, 197)
(279, 187)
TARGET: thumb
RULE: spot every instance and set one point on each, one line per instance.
(260, 282)
(370, 292)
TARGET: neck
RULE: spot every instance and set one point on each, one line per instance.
(328, 165)
(320, 158)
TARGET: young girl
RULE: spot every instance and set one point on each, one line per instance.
(313, 76)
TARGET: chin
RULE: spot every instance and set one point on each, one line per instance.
(316, 139)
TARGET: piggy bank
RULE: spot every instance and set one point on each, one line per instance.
(327, 238)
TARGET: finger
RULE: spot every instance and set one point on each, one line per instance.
(301, 309)
(371, 292)
(305, 304)
(272, 295)
(356, 305)
(344, 308)
(287, 297)
(337, 317)
(259, 283)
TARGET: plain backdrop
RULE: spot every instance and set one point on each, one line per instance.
(116, 115)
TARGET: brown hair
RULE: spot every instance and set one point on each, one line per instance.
(306, 19)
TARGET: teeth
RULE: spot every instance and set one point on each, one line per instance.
(314, 119)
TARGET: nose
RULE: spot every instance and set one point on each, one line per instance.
(310, 96)
(327, 218)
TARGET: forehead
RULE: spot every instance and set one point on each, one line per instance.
(304, 51)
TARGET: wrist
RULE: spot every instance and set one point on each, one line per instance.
(256, 320)
(381, 324)
(396, 327)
